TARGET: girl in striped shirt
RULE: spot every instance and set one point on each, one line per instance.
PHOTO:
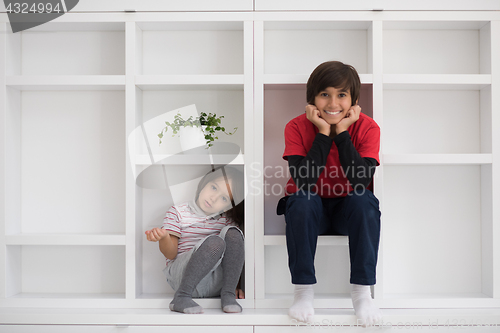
(203, 243)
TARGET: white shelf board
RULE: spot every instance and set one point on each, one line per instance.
(190, 159)
(436, 159)
(65, 301)
(66, 82)
(464, 301)
(191, 26)
(68, 296)
(437, 81)
(321, 301)
(161, 299)
(339, 24)
(417, 301)
(434, 25)
(322, 240)
(190, 82)
(437, 296)
(105, 24)
(64, 239)
(249, 317)
(302, 79)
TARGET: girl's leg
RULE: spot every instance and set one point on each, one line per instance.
(232, 264)
(201, 263)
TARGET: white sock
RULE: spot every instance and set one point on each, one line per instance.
(367, 312)
(302, 308)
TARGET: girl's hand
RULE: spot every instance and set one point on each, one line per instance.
(156, 234)
(240, 294)
(351, 117)
(313, 115)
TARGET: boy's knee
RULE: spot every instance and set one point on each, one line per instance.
(364, 202)
(303, 201)
(303, 210)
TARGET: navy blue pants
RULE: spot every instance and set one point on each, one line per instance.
(357, 215)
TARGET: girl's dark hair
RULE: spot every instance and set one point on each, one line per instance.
(236, 190)
(333, 74)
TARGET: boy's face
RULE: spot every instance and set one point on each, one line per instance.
(214, 197)
(333, 104)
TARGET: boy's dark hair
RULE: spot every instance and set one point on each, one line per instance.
(236, 191)
(333, 74)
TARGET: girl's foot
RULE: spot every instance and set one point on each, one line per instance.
(185, 305)
(229, 303)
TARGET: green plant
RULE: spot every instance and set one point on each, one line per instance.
(211, 122)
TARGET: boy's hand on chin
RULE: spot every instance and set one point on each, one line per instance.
(351, 117)
(313, 115)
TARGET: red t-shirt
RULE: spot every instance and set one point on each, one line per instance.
(332, 183)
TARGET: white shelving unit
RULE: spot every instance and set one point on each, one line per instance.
(84, 97)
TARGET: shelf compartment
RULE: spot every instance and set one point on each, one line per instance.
(335, 267)
(435, 222)
(189, 48)
(65, 166)
(430, 47)
(436, 159)
(161, 189)
(64, 48)
(285, 42)
(65, 271)
(66, 82)
(427, 113)
(64, 239)
(282, 103)
(154, 203)
(157, 106)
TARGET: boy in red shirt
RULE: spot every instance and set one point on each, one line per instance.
(332, 151)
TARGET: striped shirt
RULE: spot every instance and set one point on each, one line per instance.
(190, 224)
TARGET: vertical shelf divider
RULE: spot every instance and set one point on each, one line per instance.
(258, 160)
(132, 258)
(378, 116)
(486, 135)
(248, 115)
(495, 172)
(3, 171)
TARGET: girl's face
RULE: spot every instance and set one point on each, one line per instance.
(333, 104)
(214, 197)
